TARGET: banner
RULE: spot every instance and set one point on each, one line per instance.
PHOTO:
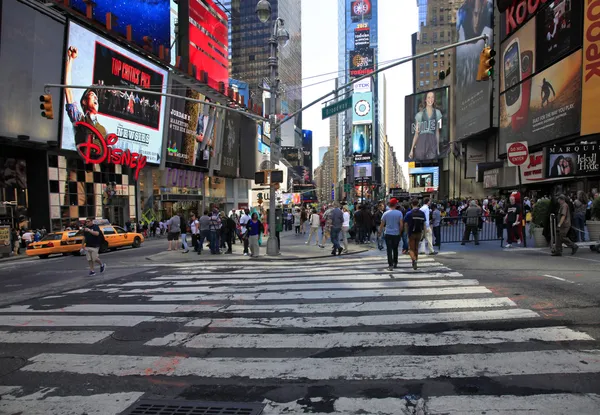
(231, 145)
(590, 121)
(545, 107)
(572, 160)
(362, 104)
(136, 119)
(426, 125)
(191, 130)
(248, 148)
(362, 140)
(533, 170)
(474, 18)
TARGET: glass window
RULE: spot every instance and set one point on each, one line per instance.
(427, 65)
(108, 230)
(52, 237)
(427, 82)
(421, 83)
(421, 74)
(435, 83)
(435, 73)
(435, 64)
(120, 230)
(428, 74)
(421, 66)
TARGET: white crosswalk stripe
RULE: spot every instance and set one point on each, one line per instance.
(270, 322)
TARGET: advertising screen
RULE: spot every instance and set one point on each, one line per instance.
(307, 145)
(572, 160)
(425, 176)
(362, 140)
(545, 107)
(474, 18)
(191, 127)
(363, 170)
(137, 119)
(361, 10)
(147, 18)
(231, 145)
(362, 104)
(426, 125)
(361, 62)
(362, 36)
(590, 122)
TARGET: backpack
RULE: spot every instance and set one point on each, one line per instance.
(418, 221)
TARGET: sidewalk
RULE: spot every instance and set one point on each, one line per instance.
(292, 248)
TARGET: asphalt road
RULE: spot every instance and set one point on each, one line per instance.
(473, 330)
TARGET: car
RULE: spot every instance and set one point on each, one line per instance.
(65, 243)
(117, 237)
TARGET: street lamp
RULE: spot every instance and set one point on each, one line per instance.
(280, 37)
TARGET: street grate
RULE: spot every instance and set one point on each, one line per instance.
(181, 407)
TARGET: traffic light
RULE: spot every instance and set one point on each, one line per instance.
(444, 74)
(46, 106)
(486, 64)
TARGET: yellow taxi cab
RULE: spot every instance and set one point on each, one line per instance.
(117, 237)
(65, 242)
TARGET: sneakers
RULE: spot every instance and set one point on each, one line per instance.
(340, 250)
(102, 267)
(575, 248)
(390, 268)
(414, 264)
(92, 273)
(508, 246)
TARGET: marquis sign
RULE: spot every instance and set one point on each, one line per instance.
(97, 149)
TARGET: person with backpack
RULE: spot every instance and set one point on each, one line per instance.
(415, 225)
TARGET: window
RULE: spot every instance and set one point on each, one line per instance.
(427, 73)
(424, 36)
(120, 230)
(435, 73)
(427, 82)
(435, 64)
(442, 64)
(435, 83)
(421, 83)
(426, 66)
(108, 230)
(441, 37)
(421, 65)
(435, 36)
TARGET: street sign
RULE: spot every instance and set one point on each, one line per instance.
(517, 153)
(337, 107)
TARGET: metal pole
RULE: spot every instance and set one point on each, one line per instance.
(272, 246)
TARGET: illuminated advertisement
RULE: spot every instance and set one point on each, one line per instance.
(362, 140)
(146, 18)
(361, 10)
(307, 145)
(362, 62)
(134, 121)
(548, 109)
(571, 160)
(362, 104)
(590, 122)
(426, 125)
(428, 177)
(363, 170)
(361, 36)
(474, 18)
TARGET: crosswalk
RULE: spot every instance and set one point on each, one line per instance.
(323, 336)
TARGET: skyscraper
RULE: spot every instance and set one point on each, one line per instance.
(250, 49)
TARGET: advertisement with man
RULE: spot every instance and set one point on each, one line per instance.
(191, 128)
(549, 111)
(136, 118)
(426, 125)
(362, 139)
(572, 160)
(474, 18)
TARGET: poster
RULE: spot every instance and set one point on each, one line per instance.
(590, 121)
(550, 110)
(362, 62)
(518, 59)
(191, 128)
(231, 145)
(572, 160)
(426, 125)
(474, 18)
(362, 139)
(362, 104)
(137, 118)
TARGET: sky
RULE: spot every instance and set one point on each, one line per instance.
(398, 20)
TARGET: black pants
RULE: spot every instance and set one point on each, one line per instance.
(246, 243)
(195, 241)
(392, 242)
(436, 234)
(474, 229)
(229, 239)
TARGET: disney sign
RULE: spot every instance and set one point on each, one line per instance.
(97, 150)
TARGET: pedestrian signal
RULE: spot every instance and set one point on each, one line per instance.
(46, 106)
(260, 177)
(486, 64)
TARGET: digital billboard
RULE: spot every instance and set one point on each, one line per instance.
(137, 119)
(361, 36)
(362, 138)
(363, 170)
(362, 62)
(191, 127)
(424, 176)
(426, 125)
(362, 104)
(474, 18)
(361, 10)
(571, 160)
(147, 18)
(590, 122)
(231, 145)
(307, 145)
(544, 107)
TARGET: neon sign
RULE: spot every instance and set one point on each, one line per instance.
(97, 150)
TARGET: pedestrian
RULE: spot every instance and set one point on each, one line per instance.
(185, 229)
(92, 241)
(581, 204)
(472, 217)
(337, 222)
(297, 221)
(315, 222)
(415, 225)
(255, 228)
(173, 231)
(215, 228)
(345, 229)
(564, 225)
(392, 222)
(428, 231)
(195, 230)
(204, 224)
(244, 229)
(436, 221)
(513, 221)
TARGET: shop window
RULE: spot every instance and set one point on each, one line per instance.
(53, 186)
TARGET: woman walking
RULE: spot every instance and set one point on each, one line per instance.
(255, 228)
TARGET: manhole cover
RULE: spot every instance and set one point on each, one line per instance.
(180, 407)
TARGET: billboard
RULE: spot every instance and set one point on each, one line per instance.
(425, 177)
(362, 104)
(361, 10)
(362, 62)
(363, 170)
(362, 138)
(474, 18)
(231, 145)
(307, 145)
(427, 129)
(362, 36)
(590, 122)
(544, 107)
(147, 18)
(191, 128)
(137, 119)
(572, 160)
(31, 56)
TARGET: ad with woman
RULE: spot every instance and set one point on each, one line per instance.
(427, 126)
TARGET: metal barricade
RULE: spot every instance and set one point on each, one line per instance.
(455, 230)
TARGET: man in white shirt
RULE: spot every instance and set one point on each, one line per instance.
(243, 222)
(428, 237)
(195, 229)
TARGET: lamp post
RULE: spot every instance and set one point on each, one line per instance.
(279, 36)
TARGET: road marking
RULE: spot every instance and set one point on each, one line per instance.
(549, 404)
(296, 287)
(349, 368)
(370, 339)
(117, 308)
(582, 259)
(378, 320)
(39, 403)
(558, 278)
(53, 337)
(305, 295)
(71, 321)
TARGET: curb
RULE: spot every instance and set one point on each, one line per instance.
(279, 258)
